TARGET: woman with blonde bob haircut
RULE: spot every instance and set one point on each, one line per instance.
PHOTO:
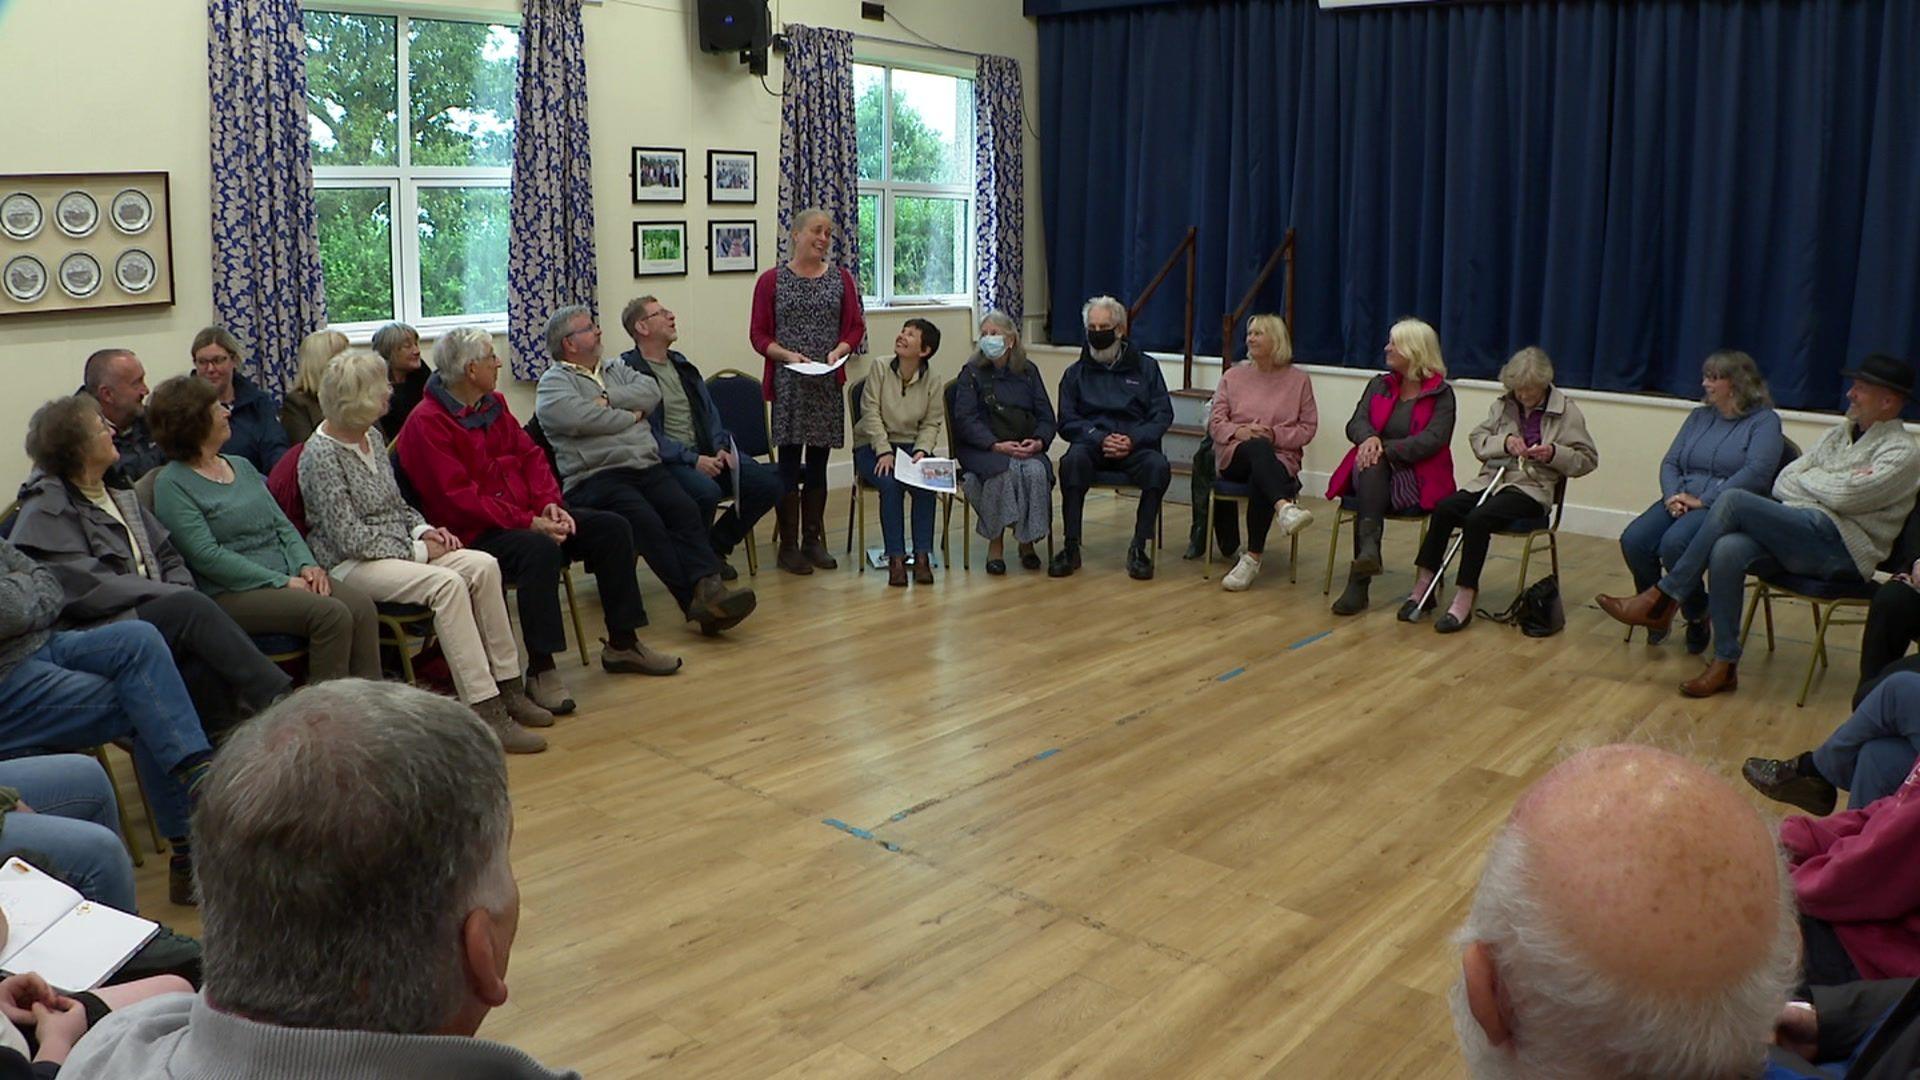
(363, 532)
(1538, 435)
(1400, 429)
(1263, 417)
(300, 413)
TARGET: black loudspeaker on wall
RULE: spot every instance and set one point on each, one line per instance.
(733, 25)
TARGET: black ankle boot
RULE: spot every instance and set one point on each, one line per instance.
(1353, 600)
(1366, 546)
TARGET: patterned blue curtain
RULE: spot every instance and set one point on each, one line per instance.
(267, 285)
(550, 261)
(819, 145)
(1000, 277)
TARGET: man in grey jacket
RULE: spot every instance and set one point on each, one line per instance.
(595, 417)
(363, 936)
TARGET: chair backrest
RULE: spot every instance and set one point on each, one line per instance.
(856, 398)
(7, 517)
(143, 490)
(1559, 503)
(539, 437)
(408, 493)
(284, 484)
(737, 395)
(953, 447)
(1906, 546)
(1789, 453)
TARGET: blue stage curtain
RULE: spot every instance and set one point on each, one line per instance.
(1630, 185)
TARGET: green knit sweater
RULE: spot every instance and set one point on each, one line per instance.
(233, 536)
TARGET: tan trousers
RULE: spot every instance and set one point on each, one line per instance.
(469, 613)
(343, 637)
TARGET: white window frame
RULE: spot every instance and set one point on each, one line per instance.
(886, 189)
(403, 180)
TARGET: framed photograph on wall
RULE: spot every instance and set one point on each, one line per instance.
(659, 248)
(733, 247)
(733, 176)
(659, 174)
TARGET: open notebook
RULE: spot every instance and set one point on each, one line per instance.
(72, 942)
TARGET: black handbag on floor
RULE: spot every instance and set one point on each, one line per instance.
(1538, 611)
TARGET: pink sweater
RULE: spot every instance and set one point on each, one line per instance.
(1857, 870)
(1282, 399)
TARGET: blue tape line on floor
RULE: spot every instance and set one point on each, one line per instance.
(1230, 674)
(1045, 754)
(851, 830)
(1305, 641)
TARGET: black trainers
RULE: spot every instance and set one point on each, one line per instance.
(1783, 781)
(1066, 560)
(1139, 563)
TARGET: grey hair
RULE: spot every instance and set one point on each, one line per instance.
(805, 218)
(557, 328)
(388, 339)
(457, 349)
(1118, 309)
(1749, 386)
(341, 839)
(1529, 369)
(1016, 351)
(1573, 1022)
(354, 390)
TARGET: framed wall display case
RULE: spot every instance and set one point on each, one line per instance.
(85, 242)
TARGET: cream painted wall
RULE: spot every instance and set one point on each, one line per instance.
(648, 84)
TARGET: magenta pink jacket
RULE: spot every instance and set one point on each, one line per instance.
(1857, 870)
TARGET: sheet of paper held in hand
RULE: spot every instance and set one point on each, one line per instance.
(931, 473)
(72, 942)
(811, 368)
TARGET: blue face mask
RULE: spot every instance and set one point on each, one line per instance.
(993, 346)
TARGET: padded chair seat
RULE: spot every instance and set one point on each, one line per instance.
(1232, 489)
(1821, 588)
(1349, 502)
(278, 644)
(1527, 525)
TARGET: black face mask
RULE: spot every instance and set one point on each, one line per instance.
(1102, 339)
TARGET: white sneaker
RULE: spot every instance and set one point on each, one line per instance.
(1242, 574)
(1294, 518)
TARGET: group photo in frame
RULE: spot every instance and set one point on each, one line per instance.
(659, 174)
(659, 248)
(733, 176)
(733, 247)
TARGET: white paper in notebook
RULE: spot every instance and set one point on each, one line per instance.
(70, 941)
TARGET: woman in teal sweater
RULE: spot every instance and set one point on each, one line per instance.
(242, 549)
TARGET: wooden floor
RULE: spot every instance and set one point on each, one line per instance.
(1013, 827)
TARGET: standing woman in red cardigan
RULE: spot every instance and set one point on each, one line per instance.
(806, 310)
(1400, 462)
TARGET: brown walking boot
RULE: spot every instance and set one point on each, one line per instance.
(897, 571)
(786, 527)
(922, 568)
(813, 529)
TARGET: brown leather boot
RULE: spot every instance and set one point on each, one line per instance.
(897, 571)
(786, 527)
(1652, 608)
(922, 568)
(1720, 677)
(813, 528)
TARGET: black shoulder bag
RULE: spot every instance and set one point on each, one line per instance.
(1009, 423)
(1538, 611)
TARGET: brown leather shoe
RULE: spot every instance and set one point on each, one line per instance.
(922, 569)
(1651, 608)
(897, 571)
(1721, 676)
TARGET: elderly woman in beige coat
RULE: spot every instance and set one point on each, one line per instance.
(1540, 437)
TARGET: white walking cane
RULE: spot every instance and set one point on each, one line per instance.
(1454, 548)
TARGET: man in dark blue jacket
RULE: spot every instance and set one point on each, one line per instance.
(1114, 409)
(694, 443)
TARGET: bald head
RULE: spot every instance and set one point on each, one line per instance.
(1633, 915)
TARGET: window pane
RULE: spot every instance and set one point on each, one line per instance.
(460, 87)
(869, 97)
(869, 243)
(356, 252)
(930, 239)
(932, 128)
(463, 250)
(353, 97)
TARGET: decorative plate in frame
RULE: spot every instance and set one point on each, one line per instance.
(21, 216)
(131, 211)
(25, 278)
(134, 271)
(77, 214)
(79, 275)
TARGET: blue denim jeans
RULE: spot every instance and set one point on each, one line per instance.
(1657, 539)
(1871, 753)
(87, 687)
(75, 825)
(1747, 532)
(893, 496)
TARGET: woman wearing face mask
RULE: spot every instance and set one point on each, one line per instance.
(1400, 429)
(1002, 425)
(1541, 438)
(806, 311)
(1731, 441)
